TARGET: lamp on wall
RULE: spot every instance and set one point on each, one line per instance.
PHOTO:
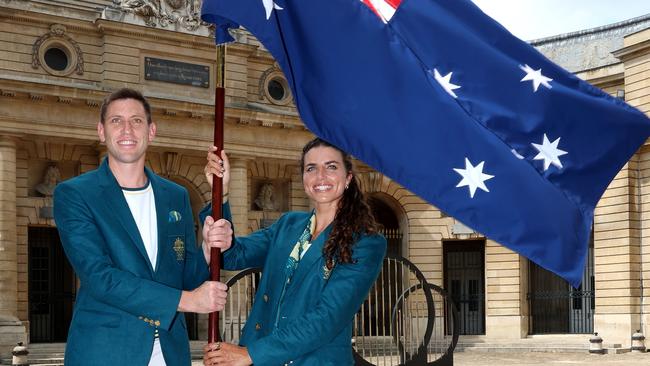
(620, 94)
(461, 229)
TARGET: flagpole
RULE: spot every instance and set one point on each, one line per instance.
(217, 188)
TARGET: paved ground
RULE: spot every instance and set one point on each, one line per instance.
(477, 358)
(473, 358)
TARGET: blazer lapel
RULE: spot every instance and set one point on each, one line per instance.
(120, 209)
(162, 211)
(310, 259)
(290, 238)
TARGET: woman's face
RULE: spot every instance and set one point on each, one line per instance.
(324, 175)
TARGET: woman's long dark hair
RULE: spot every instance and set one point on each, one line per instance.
(353, 216)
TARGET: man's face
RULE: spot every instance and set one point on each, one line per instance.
(126, 131)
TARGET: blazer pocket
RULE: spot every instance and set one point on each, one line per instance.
(95, 318)
(177, 244)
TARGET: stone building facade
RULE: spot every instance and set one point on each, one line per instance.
(57, 62)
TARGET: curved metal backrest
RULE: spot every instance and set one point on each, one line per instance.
(404, 321)
(445, 330)
(241, 293)
(395, 322)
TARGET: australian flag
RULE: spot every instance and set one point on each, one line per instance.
(442, 99)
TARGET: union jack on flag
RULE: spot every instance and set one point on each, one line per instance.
(385, 9)
(465, 115)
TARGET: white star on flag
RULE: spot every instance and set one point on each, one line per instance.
(269, 5)
(473, 177)
(445, 82)
(536, 77)
(549, 152)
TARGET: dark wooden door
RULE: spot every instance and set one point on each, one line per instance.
(464, 279)
(52, 287)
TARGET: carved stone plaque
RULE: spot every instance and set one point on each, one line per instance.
(176, 72)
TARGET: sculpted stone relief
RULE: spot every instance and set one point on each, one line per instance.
(51, 178)
(184, 13)
(265, 200)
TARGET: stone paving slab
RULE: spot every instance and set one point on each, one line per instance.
(548, 358)
(476, 358)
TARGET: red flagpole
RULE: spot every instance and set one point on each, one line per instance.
(217, 188)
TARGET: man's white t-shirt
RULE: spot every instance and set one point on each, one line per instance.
(142, 203)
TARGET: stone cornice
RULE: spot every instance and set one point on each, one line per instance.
(604, 76)
(259, 118)
(164, 107)
(149, 34)
(59, 6)
(632, 51)
(98, 25)
(241, 49)
(31, 18)
(262, 55)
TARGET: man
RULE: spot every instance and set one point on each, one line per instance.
(129, 234)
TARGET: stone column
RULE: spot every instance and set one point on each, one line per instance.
(11, 328)
(505, 293)
(621, 235)
(238, 195)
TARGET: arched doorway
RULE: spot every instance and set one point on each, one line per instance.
(388, 221)
(383, 296)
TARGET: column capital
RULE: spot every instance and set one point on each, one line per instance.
(9, 141)
(240, 162)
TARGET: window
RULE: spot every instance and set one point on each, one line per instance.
(274, 87)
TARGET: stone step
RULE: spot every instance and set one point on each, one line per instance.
(519, 348)
(38, 362)
(537, 343)
(52, 354)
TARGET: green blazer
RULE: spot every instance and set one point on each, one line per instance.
(311, 323)
(122, 300)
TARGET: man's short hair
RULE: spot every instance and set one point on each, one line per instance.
(125, 93)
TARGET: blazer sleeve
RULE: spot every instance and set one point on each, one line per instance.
(85, 247)
(196, 269)
(246, 251)
(344, 293)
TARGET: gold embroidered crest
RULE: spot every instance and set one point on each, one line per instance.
(179, 248)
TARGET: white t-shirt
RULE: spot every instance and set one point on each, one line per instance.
(143, 208)
(142, 203)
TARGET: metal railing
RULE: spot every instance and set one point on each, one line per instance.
(404, 320)
(423, 326)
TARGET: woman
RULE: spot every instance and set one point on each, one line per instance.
(317, 268)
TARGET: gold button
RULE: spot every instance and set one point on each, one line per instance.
(266, 298)
(258, 326)
(146, 320)
(157, 323)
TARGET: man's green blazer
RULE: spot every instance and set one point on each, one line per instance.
(122, 301)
